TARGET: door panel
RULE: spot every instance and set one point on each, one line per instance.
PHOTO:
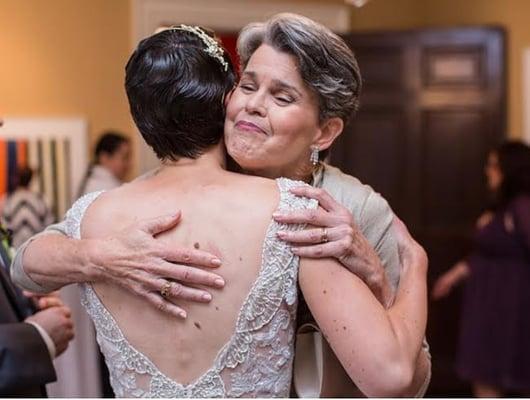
(433, 104)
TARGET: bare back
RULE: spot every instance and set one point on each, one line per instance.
(223, 213)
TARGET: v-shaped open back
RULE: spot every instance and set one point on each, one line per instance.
(257, 359)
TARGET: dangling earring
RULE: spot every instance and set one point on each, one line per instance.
(314, 155)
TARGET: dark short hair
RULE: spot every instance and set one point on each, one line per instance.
(176, 93)
(25, 174)
(109, 142)
(514, 163)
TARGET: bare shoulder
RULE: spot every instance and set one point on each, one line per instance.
(109, 212)
(257, 189)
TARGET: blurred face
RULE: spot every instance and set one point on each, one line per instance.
(118, 163)
(272, 117)
(493, 172)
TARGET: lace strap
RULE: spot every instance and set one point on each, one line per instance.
(276, 281)
(75, 214)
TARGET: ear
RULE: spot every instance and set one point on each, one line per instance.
(329, 131)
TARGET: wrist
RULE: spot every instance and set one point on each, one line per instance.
(91, 253)
(378, 283)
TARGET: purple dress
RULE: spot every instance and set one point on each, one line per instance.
(494, 345)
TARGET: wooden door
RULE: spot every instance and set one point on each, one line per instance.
(433, 104)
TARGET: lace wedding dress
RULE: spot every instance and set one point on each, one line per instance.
(257, 359)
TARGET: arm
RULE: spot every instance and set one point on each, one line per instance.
(336, 234)
(134, 259)
(25, 359)
(382, 356)
(445, 283)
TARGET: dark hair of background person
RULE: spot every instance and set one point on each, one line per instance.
(176, 93)
(25, 174)
(514, 163)
(108, 143)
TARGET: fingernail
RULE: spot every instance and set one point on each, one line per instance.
(219, 282)
(277, 215)
(281, 234)
(294, 250)
(207, 296)
(216, 262)
(183, 314)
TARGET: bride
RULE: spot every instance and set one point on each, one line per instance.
(241, 343)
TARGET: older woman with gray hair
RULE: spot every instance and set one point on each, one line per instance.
(300, 83)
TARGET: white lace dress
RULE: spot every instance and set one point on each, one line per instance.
(257, 359)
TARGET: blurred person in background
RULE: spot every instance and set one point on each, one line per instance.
(25, 212)
(112, 162)
(494, 346)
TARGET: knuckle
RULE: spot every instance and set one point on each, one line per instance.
(187, 274)
(319, 251)
(186, 256)
(344, 245)
(177, 289)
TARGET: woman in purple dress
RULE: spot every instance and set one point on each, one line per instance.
(494, 346)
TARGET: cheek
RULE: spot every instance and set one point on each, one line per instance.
(235, 105)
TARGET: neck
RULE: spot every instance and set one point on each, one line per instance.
(213, 159)
(299, 172)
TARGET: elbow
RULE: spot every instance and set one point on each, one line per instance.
(393, 380)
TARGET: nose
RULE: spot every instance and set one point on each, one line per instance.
(255, 104)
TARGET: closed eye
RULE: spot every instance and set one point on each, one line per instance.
(247, 87)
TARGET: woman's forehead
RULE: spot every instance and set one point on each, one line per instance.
(267, 60)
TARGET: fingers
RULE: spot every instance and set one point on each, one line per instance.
(165, 306)
(318, 217)
(319, 250)
(324, 198)
(49, 301)
(312, 236)
(191, 257)
(157, 225)
(177, 291)
(187, 274)
(66, 311)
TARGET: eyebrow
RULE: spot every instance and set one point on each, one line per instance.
(281, 84)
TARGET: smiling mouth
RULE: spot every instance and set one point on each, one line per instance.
(249, 127)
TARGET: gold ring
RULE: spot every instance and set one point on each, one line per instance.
(324, 237)
(166, 290)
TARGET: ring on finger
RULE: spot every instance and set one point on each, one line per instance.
(324, 236)
(165, 291)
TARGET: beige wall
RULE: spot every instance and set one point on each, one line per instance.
(512, 14)
(65, 58)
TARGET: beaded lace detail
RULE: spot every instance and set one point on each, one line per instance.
(257, 359)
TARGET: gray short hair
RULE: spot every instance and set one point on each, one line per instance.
(327, 65)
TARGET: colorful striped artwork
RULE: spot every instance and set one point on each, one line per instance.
(56, 152)
(50, 169)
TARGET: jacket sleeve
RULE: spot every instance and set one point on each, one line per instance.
(18, 275)
(24, 357)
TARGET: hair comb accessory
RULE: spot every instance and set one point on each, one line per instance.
(212, 47)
